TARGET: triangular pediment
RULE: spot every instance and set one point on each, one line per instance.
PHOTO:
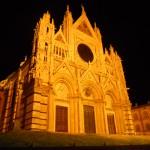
(64, 68)
(108, 83)
(57, 64)
(59, 37)
(83, 25)
(88, 76)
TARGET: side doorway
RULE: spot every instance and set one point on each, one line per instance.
(111, 124)
(61, 122)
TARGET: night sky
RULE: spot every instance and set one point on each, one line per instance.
(123, 24)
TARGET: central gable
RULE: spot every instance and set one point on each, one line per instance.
(59, 37)
(83, 25)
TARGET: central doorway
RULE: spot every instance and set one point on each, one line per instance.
(89, 119)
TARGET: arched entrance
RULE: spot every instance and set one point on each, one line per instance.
(110, 115)
(89, 119)
(89, 109)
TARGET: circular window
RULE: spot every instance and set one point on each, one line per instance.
(88, 92)
(85, 53)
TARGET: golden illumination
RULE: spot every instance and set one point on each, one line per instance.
(69, 84)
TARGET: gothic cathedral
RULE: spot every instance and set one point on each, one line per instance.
(69, 83)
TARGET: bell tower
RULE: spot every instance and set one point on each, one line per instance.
(68, 31)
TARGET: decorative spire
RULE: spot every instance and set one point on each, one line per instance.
(95, 26)
(47, 13)
(67, 23)
(97, 31)
(83, 10)
(46, 16)
(106, 51)
(68, 14)
(60, 27)
(52, 21)
(67, 9)
(111, 48)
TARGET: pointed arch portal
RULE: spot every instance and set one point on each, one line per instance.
(89, 119)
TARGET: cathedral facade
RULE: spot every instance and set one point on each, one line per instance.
(70, 83)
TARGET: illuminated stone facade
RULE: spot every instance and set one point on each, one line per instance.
(141, 119)
(68, 84)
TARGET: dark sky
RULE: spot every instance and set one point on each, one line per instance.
(124, 24)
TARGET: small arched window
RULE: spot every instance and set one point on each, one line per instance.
(47, 29)
(46, 46)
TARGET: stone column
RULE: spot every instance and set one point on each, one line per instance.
(102, 118)
(81, 116)
(51, 119)
(72, 114)
(76, 115)
(129, 127)
(105, 119)
(17, 109)
(6, 119)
